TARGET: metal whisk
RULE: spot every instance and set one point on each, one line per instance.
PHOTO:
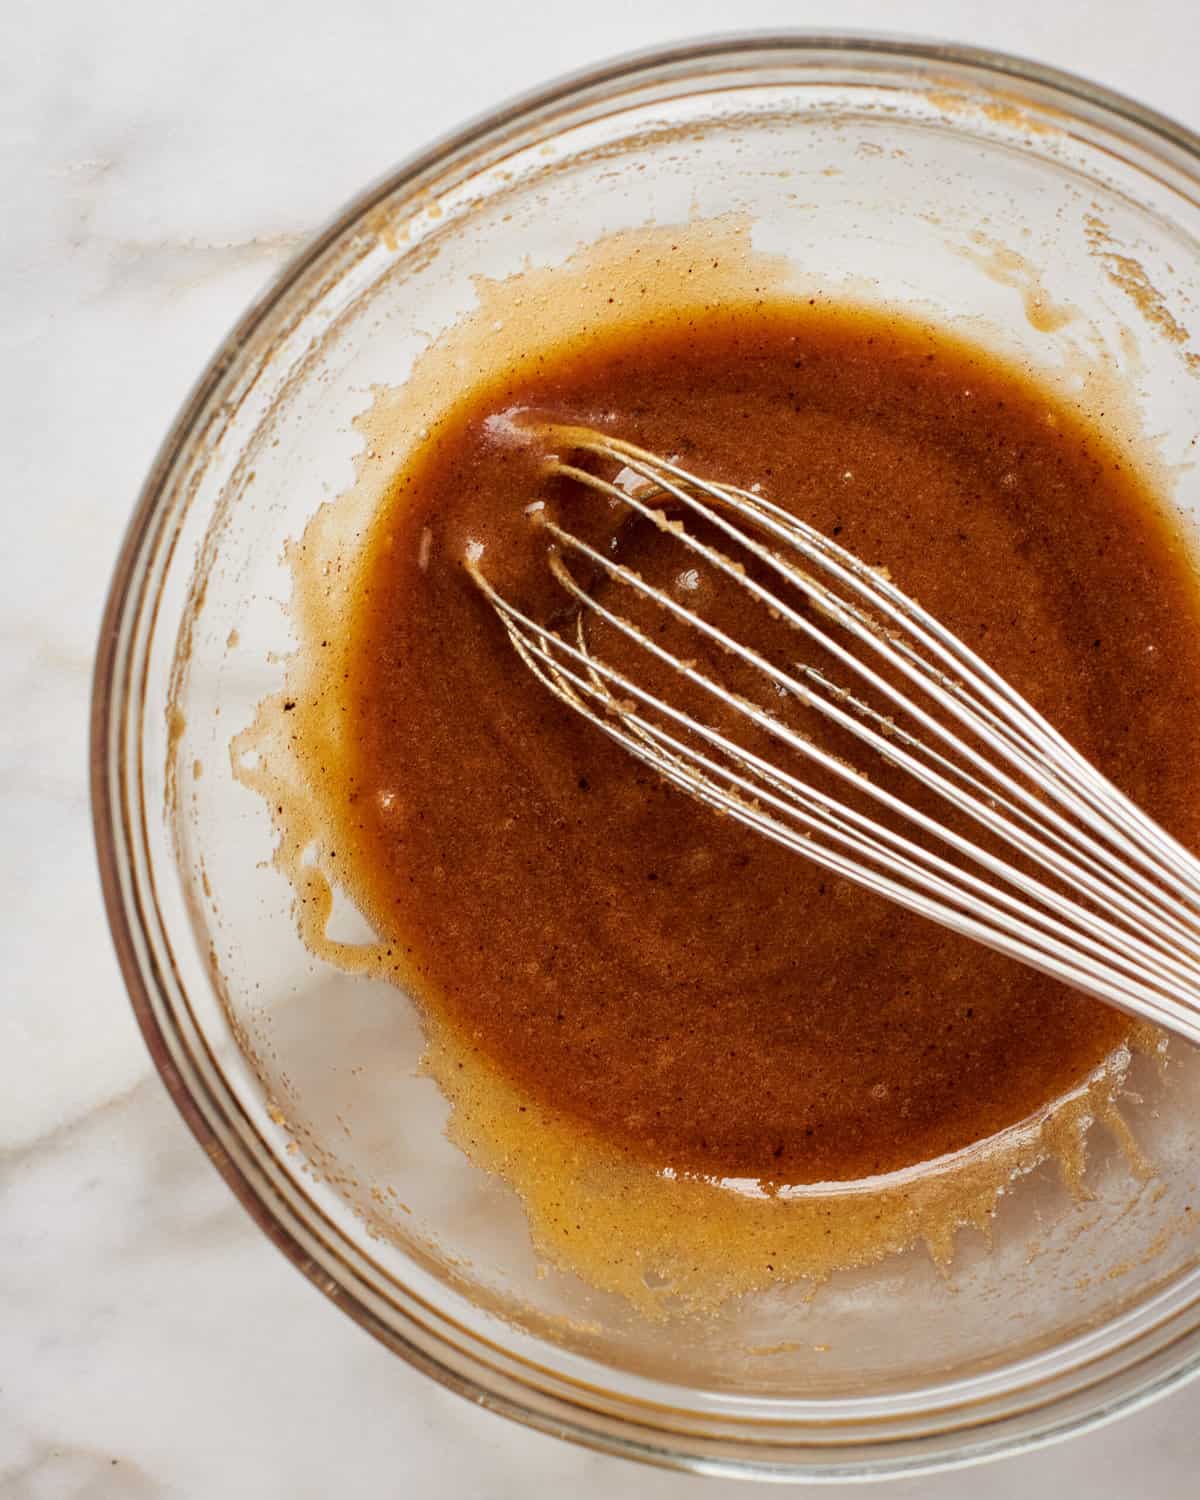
(1100, 896)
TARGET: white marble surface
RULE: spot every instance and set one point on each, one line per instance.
(157, 163)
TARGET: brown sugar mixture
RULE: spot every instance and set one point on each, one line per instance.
(682, 990)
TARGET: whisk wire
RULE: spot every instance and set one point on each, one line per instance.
(984, 811)
(1033, 888)
(670, 757)
(1134, 942)
(967, 699)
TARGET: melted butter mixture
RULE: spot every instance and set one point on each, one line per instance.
(631, 1001)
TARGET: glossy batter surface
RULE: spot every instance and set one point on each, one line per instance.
(681, 988)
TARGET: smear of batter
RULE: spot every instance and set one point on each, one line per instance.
(1128, 274)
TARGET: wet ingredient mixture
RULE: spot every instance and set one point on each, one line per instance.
(671, 985)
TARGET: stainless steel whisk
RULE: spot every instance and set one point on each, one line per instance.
(1119, 915)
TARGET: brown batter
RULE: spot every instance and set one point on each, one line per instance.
(688, 992)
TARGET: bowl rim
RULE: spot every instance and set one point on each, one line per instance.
(113, 669)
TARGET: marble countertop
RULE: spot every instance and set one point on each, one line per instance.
(157, 164)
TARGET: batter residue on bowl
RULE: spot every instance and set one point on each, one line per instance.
(704, 1062)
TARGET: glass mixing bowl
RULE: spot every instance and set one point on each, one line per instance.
(971, 188)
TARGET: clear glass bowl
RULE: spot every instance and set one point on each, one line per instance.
(970, 187)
